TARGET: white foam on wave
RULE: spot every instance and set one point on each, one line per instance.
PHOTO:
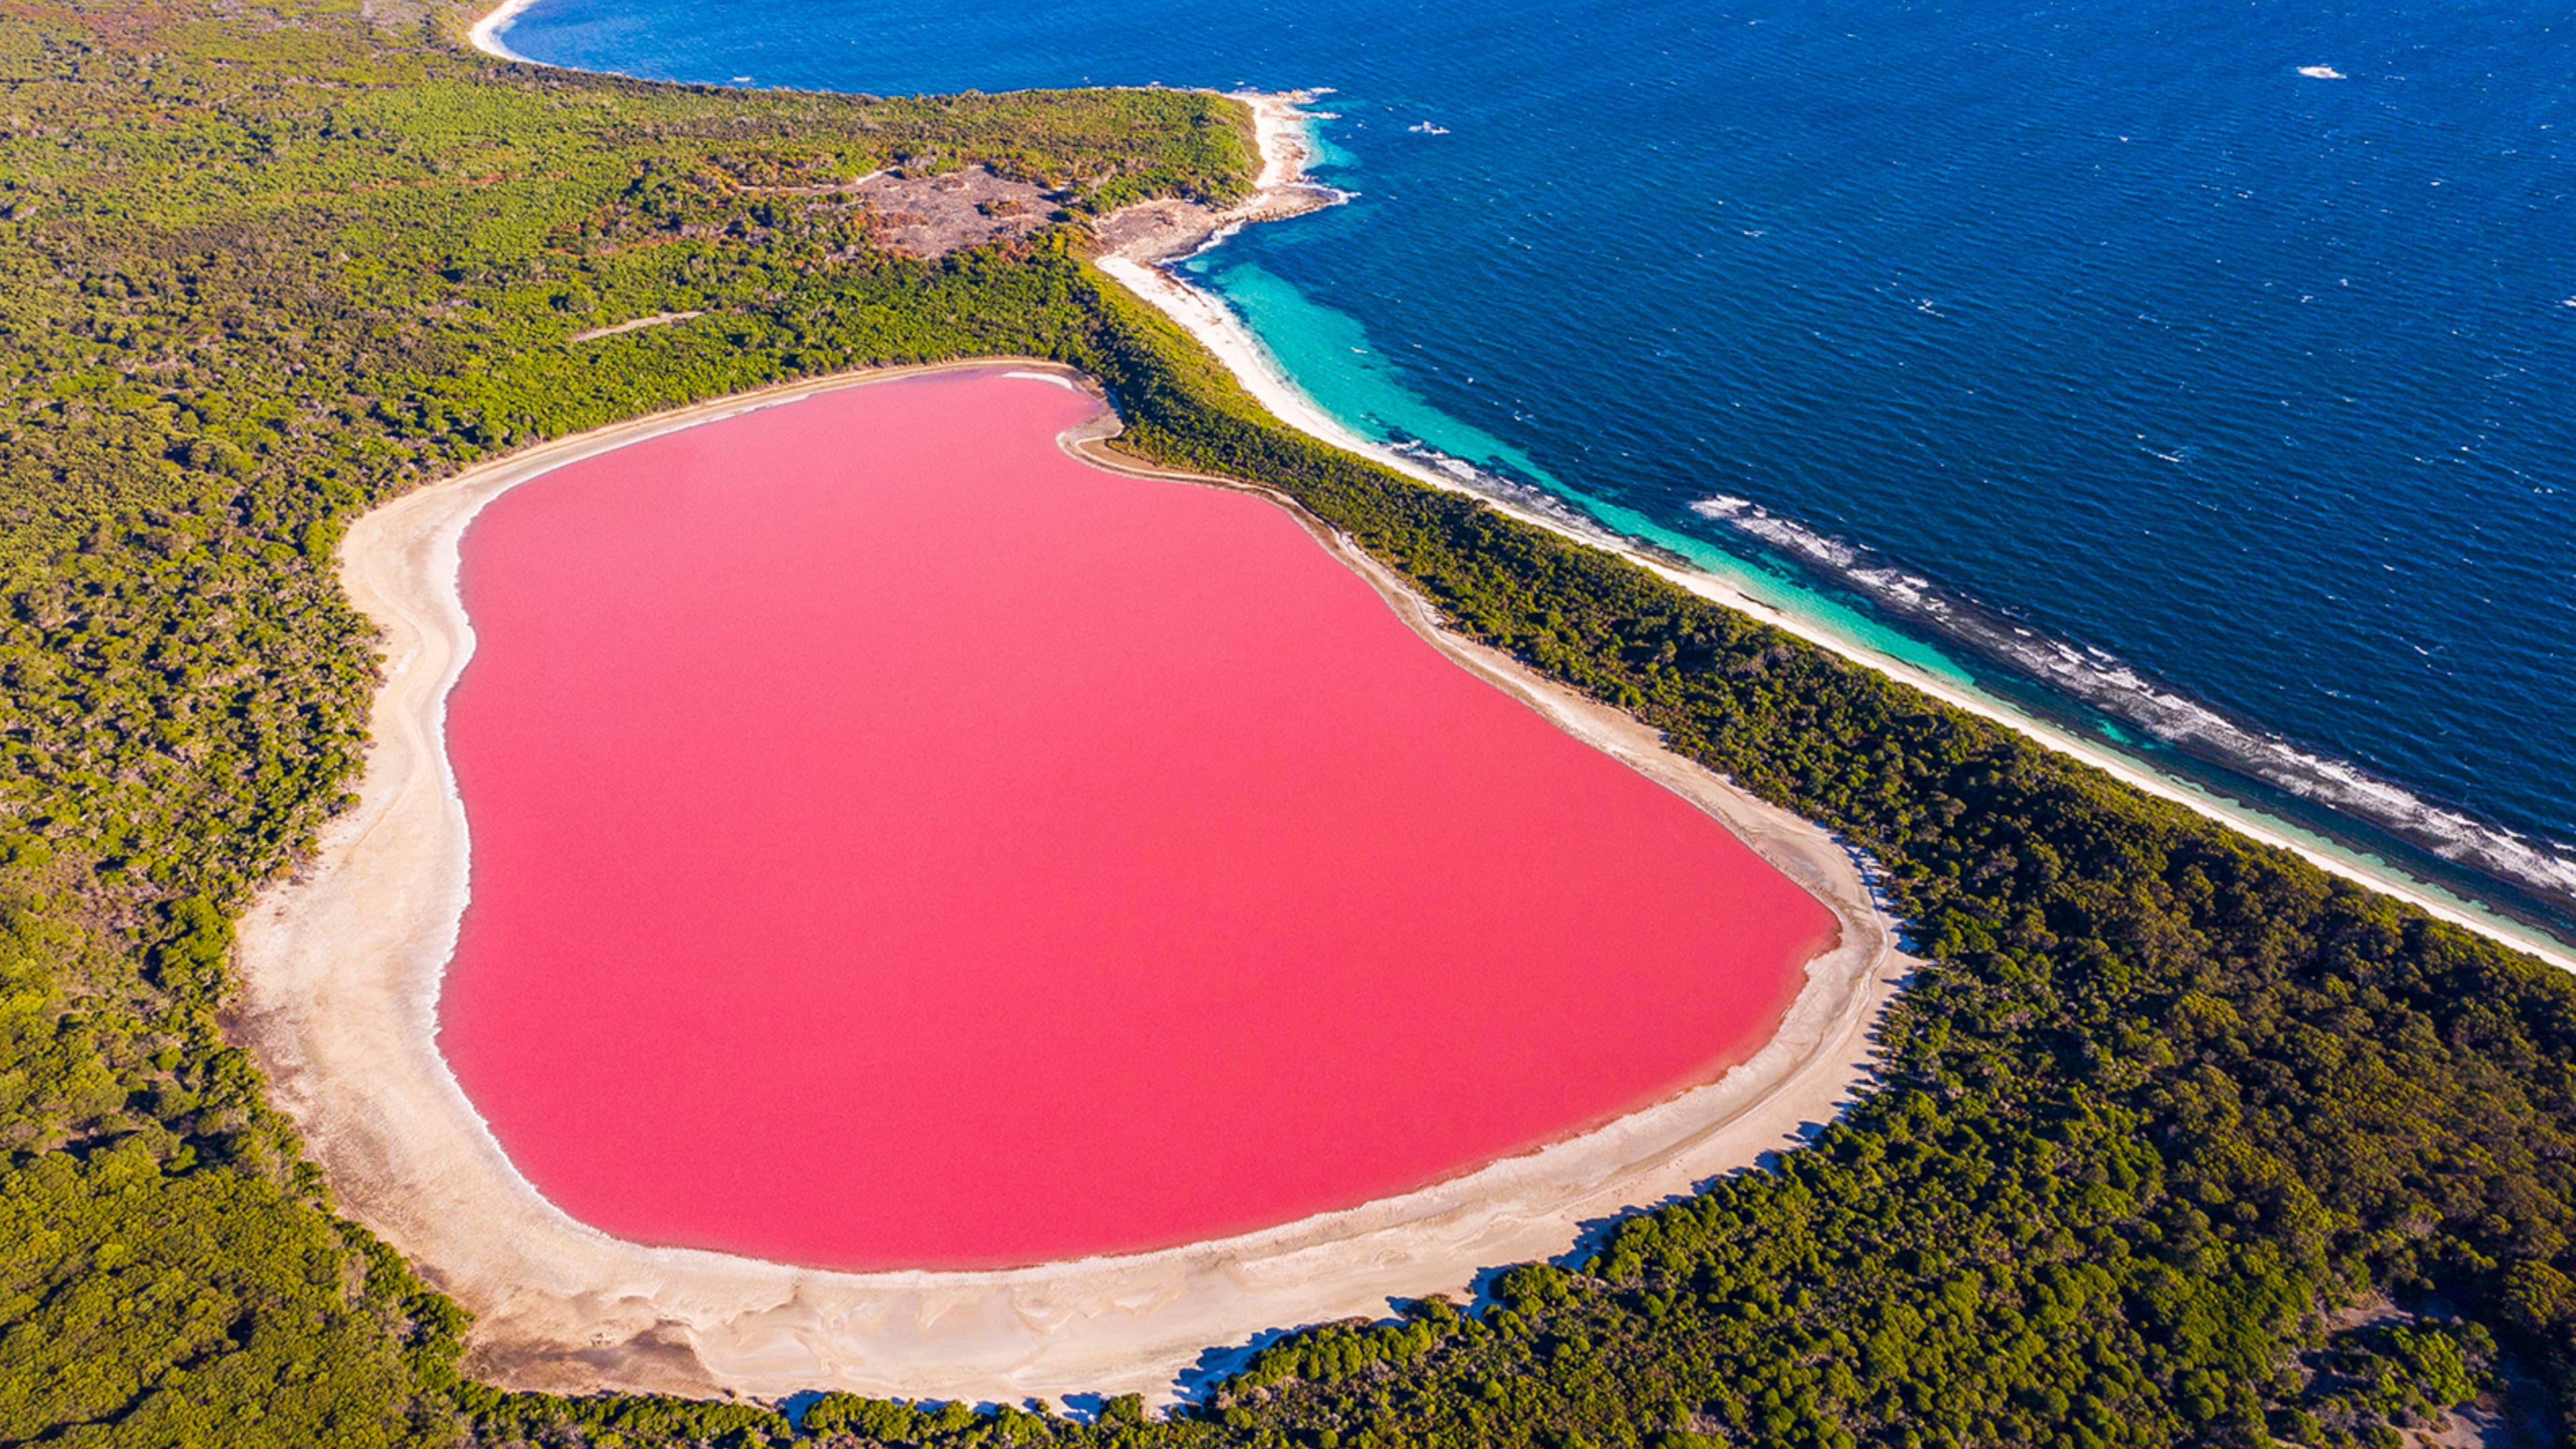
(1847, 560)
(2111, 685)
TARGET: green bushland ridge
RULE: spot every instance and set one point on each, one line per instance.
(2167, 1104)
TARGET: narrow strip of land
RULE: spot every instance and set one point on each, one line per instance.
(1136, 256)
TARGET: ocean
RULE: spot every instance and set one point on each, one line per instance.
(2202, 377)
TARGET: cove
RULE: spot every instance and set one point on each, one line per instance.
(896, 843)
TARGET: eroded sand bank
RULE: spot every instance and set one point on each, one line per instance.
(342, 965)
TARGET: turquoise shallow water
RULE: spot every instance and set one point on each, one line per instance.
(1337, 365)
(2223, 408)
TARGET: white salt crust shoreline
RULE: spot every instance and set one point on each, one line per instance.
(342, 968)
(342, 965)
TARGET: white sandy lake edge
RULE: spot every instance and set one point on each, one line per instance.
(341, 971)
(342, 967)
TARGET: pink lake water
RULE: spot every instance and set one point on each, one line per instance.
(896, 843)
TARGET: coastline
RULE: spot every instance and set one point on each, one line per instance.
(485, 34)
(1143, 269)
(342, 967)
(1152, 233)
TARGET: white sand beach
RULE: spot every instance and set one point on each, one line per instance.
(486, 32)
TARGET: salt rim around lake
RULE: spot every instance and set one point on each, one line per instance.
(342, 968)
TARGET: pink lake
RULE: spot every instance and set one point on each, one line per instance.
(899, 844)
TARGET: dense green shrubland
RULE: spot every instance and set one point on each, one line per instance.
(2167, 1104)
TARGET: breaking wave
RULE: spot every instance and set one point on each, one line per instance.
(1492, 483)
(2112, 686)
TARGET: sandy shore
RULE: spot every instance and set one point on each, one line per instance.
(1138, 262)
(485, 35)
(341, 969)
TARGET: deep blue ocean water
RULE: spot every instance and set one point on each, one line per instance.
(2095, 344)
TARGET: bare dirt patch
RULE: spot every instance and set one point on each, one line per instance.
(1166, 230)
(931, 216)
(1156, 231)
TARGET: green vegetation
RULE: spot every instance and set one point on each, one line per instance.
(2169, 1103)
